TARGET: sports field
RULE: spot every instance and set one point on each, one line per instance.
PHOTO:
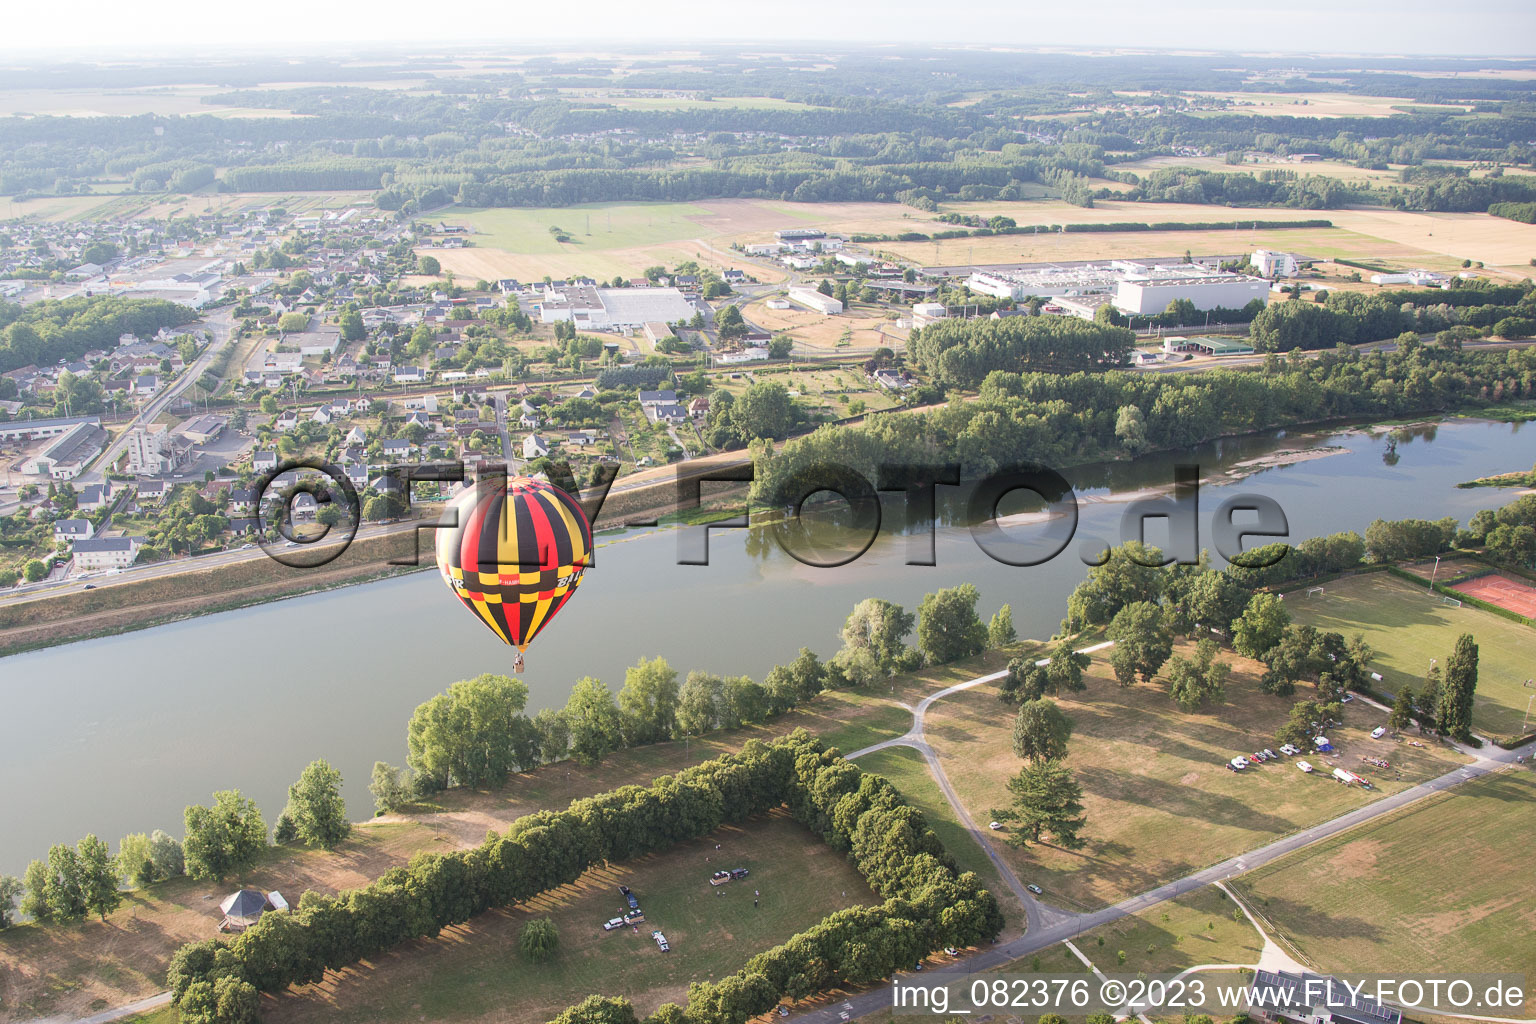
(1380, 898)
(1159, 800)
(475, 972)
(1504, 591)
(1408, 627)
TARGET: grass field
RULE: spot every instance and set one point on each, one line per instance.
(1159, 801)
(1431, 240)
(73, 970)
(1318, 104)
(860, 328)
(908, 772)
(1407, 627)
(77, 968)
(1196, 928)
(474, 971)
(1380, 898)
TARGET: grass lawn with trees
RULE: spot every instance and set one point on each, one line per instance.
(1407, 627)
(475, 969)
(81, 968)
(74, 969)
(908, 772)
(1379, 898)
(1159, 800)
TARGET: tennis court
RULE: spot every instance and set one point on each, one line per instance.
(1499, 589)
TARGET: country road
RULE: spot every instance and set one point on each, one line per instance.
(1049, 925)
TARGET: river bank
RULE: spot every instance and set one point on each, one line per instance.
(116, 608)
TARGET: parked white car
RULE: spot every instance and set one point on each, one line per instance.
(1378, 732)
(1304, 766)
(1289, 750)
(1239, 762)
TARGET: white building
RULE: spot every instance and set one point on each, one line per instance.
(1151, 293)
(72, 530)
(150, 451)
(105, 552)
(813, 300)
(535, 447)
(1418, 278)
(925, 313)
(1269, 263)
(66, 456)
(746, 355)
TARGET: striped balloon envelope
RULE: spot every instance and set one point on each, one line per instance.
(516, 556)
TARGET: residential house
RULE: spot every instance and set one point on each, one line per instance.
(94, 496)
(264, 461)
(535, 447)
(105, 552)
(71, 530)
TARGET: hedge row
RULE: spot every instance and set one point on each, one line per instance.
(928, 904)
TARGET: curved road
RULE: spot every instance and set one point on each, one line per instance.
(1049, 925)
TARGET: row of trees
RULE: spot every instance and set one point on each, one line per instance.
(476, 734)
(1072, 419)
(928, 903)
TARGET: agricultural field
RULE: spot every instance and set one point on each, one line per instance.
(1392, 237)
(130, 205)
(128, 102)
(1407, 627)
(1316, 104)
(1379, 898)
(601, 98)
(1323, 168)
(860, 328)
(475, 968)
(1159, 800)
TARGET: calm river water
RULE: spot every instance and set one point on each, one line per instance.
(120, 734)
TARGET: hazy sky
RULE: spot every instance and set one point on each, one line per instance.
(138, 28)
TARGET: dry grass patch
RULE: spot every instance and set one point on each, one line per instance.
(474, 972)
(1159, 800)
(1398, 908)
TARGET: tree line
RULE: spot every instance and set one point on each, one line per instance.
(1072, 419)
(476, 734)
(927, 902)
(1145, 604)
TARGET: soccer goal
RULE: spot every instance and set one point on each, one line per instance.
(1315, 591)
(1450, 601)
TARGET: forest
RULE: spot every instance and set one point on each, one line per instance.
(874, 126)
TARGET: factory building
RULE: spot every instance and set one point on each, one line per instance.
(1134, 286)
(1152, 293)
(812, 299)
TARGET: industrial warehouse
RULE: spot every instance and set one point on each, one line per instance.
(1136, 287)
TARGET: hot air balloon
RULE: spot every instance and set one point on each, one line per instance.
(516, 556)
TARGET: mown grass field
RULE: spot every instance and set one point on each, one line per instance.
(1159, 800)
(1389, 897)
(1408, 626)
(75, 970)
(1196, 928)
(475, 972)
(908, 772)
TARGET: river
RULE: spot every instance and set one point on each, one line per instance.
(119, 734)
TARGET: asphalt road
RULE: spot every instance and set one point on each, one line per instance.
(1049, 925)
